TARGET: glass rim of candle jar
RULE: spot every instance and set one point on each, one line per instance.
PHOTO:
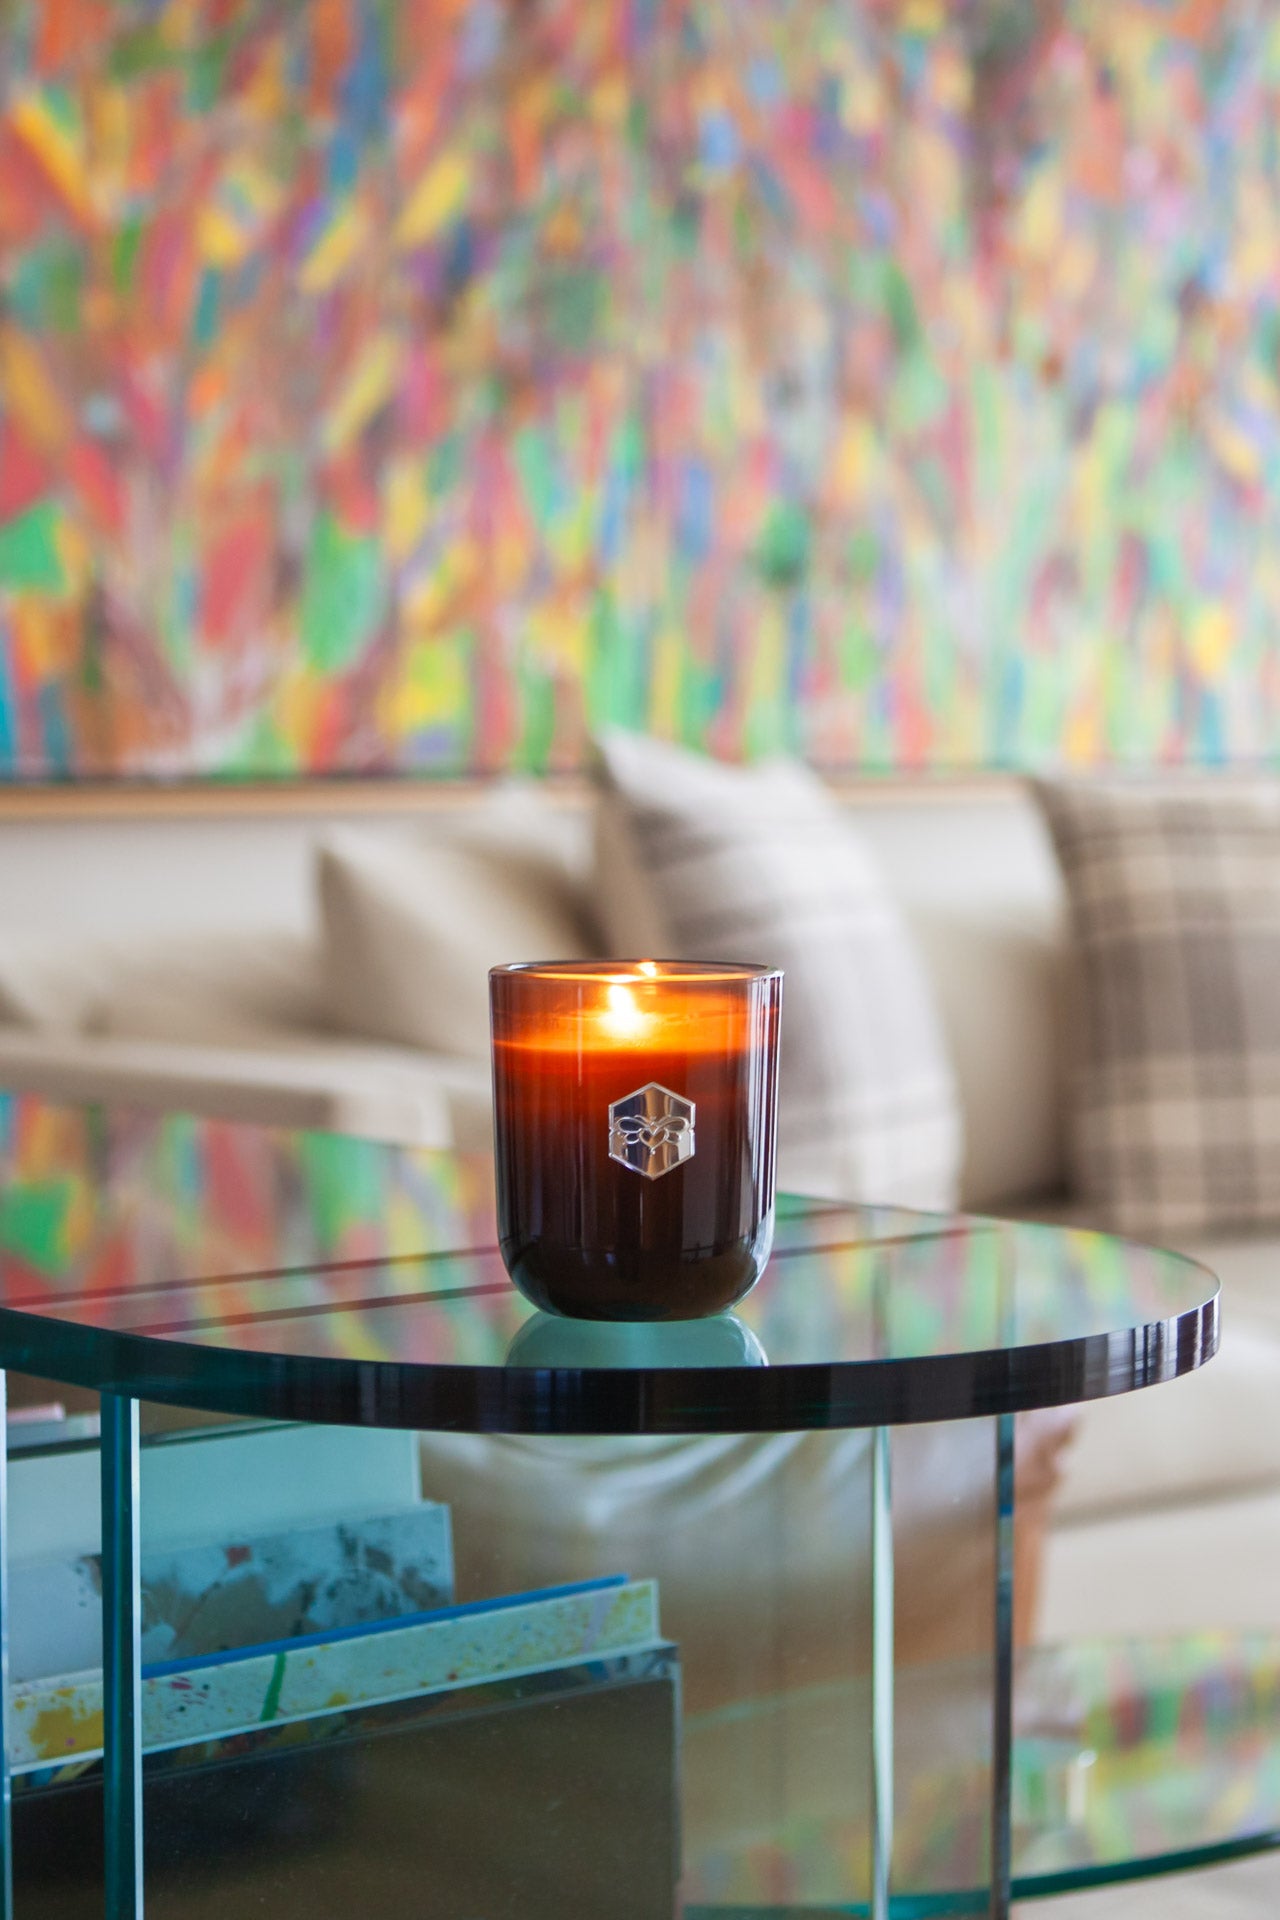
(639, 973)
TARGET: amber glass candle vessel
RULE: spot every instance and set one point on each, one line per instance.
(635, 1107)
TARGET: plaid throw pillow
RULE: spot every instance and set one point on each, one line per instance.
(1174, 1127)
(699, 861)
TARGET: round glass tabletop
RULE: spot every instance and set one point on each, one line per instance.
(296, 1275)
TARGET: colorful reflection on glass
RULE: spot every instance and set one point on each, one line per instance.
(290, 1242)
(1127, 1755)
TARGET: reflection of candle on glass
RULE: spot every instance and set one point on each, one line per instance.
(634, 1127)
(717, 1340)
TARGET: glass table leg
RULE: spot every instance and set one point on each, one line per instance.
(881, 1676)
(1002, 1676)
(121, 1659)
(6, 1812)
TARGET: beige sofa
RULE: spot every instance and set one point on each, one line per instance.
(1170, 1513)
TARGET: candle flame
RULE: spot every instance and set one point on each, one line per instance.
(621, 1017)
(649, 968)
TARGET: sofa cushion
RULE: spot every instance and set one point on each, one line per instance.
(213, 988)
(998, 985)
(780, 1601)
(411, 924)
(1166, 1569)
(1174, 1121)
(52, 985)
(1212, 1433)
(974, 872)
(699, 861)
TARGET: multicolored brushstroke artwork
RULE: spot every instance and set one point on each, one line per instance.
(393, 387)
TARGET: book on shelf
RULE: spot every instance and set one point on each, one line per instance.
(58, 1721)
(514, 1756)
(236, 1590)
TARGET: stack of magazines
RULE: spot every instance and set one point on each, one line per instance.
(327, 1731)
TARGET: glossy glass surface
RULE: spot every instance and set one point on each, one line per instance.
(302, 1275)
(1129, 1759)
(635, 1130)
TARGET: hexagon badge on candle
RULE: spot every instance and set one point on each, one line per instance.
(651, 1130)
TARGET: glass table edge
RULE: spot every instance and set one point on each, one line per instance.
(449, 1397)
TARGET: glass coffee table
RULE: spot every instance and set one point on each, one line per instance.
(822, 1485)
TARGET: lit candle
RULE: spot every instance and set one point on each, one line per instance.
(634, 1114)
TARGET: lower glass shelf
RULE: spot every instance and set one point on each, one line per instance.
(1130, 1759)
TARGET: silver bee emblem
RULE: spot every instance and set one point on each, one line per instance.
(651, 1130)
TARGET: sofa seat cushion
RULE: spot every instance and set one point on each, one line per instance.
(1182, 1568)
(1213, 1433)
(1249, 1269)
(698, 861)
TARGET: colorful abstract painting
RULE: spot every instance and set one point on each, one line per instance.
(412, 387)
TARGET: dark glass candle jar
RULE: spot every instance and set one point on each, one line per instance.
(635, 1108)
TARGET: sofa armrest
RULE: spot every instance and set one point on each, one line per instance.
(376, 1092)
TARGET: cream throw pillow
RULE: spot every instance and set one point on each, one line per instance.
(411, 924)
(700, 861)
(221, 987)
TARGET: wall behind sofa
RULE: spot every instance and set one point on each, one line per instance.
(390, 385)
